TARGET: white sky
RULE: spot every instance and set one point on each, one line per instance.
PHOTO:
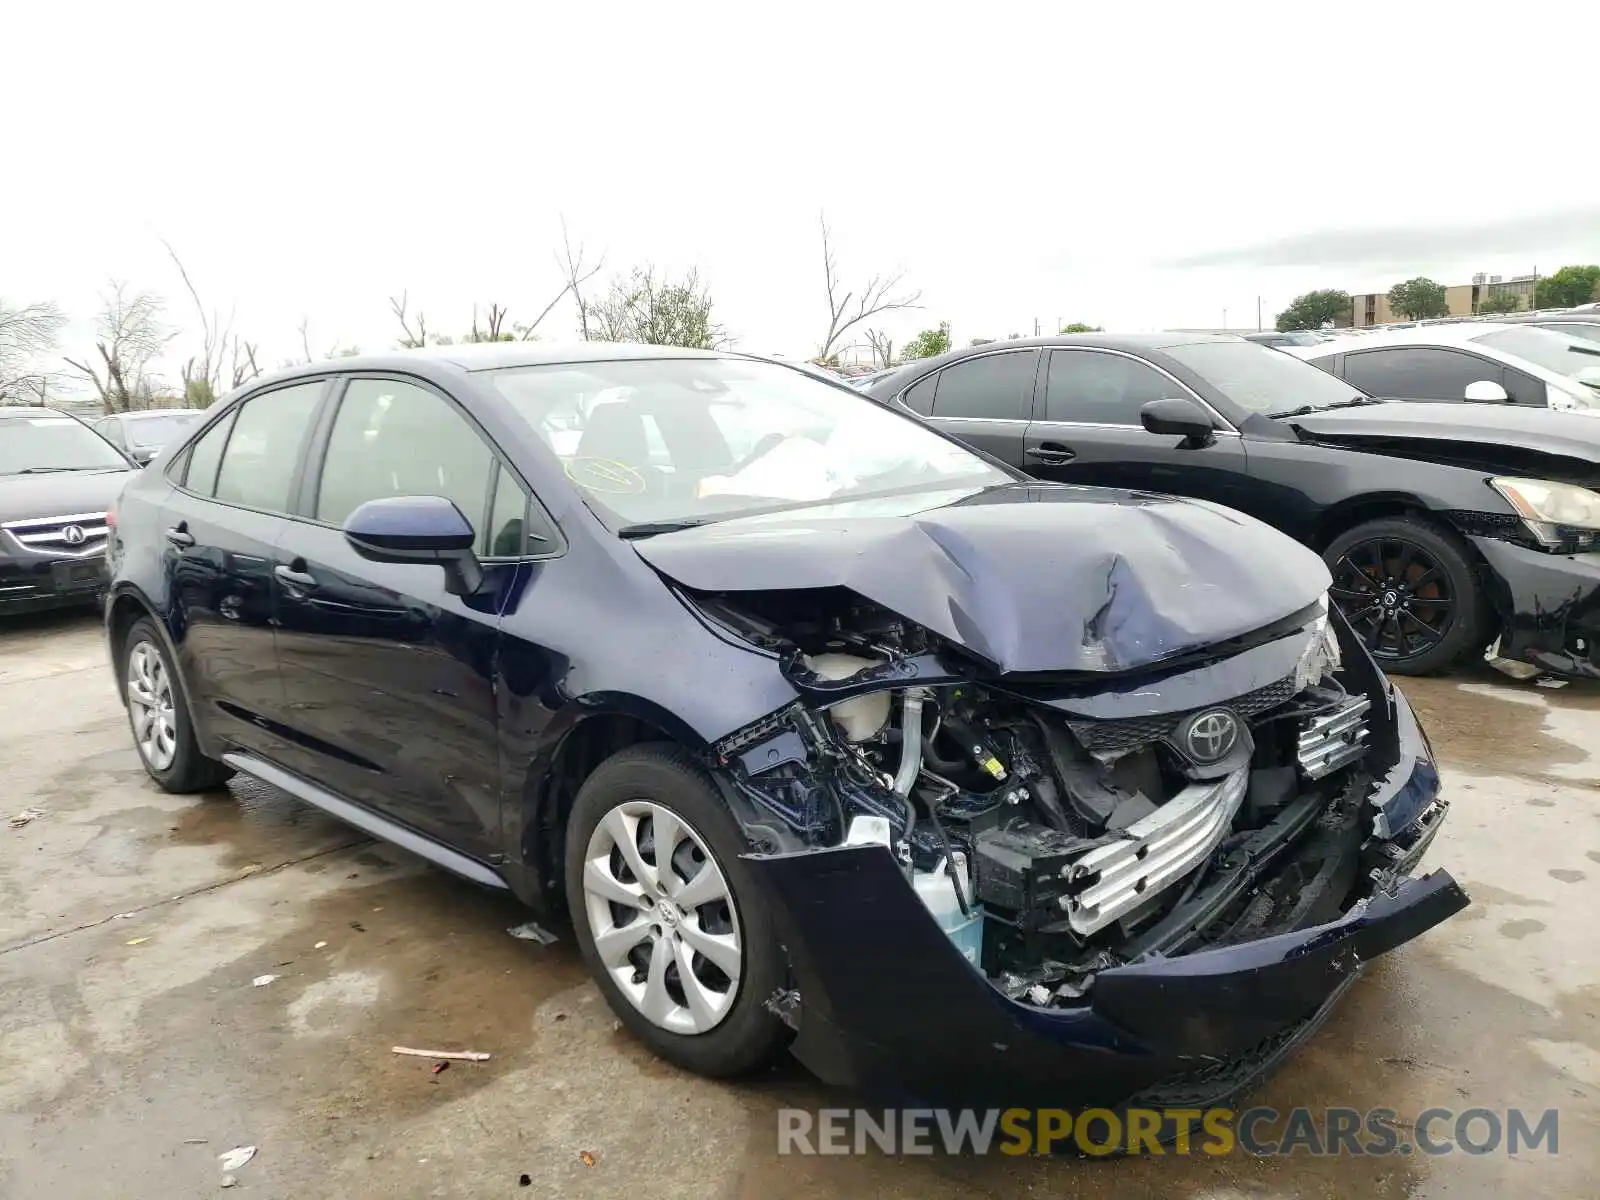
(1019, 161)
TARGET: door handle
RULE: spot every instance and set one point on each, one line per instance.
(179, 535)
(1049, 452)
(293, 578)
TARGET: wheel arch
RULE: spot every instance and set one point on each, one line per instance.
(586, 733)
(1371, 506)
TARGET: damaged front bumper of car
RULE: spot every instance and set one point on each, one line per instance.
(1030, 889)
(1548, 605)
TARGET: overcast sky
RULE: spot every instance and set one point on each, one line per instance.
(1129, 165)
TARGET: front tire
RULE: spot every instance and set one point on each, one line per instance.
(668, 920)
(1409, 591)
(159, 716)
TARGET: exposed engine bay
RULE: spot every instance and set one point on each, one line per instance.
(1050, 844)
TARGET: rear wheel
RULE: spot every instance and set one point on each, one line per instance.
(668, 920)
(159, 716)
(1409, 592)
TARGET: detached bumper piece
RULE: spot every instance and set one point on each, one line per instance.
(1549, 605)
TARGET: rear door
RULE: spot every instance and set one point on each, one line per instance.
(389, 678)
(232, 493)
(985, 401)
(1089, 431)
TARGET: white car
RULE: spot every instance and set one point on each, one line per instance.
(1479, 361)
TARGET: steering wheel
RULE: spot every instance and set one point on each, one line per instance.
(765, 446)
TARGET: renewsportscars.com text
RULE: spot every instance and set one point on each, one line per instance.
(1257, 1131)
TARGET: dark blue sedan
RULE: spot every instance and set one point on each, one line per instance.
(828, 732)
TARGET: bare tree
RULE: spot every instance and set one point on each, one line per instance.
(27, 334)
(129, 336)
(415, 335)
(659, 311)
(882, 346)
(305, 340)
(224, 354)
(577, 274)
(848, 307)
(494, 320)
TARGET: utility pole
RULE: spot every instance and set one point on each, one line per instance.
(1258, 314)
(1224, 320)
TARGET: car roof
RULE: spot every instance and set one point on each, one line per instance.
(31, 410)
(491, 356)
(160, 412)
(1452, 334)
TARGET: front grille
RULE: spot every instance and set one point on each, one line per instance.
(1112, 739)
(1334, 739)
(76, 536)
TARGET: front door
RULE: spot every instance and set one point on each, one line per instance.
(1088, 431)
(390, 679)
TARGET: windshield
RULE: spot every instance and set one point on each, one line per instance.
(1556, 352)
(685, 441)
(156, 432)
(50, 442)
(1261, 380)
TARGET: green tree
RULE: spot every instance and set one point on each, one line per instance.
(980, 341)
(1418, 299)
(928, 343)
(656, 310)
(1567, 287)
(1313, 310)
(1504, 302)
(1081, 327)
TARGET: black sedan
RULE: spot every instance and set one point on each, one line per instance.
(827, 731)
(1450, 529)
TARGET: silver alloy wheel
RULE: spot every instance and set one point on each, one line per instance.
(150, 707)
(662, 916)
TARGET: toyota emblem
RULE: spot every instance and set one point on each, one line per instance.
(73, 535)
(1211, 735)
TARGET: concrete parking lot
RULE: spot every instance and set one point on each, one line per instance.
(135, 1048)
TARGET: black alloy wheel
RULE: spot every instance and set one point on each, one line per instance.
(1409, 593)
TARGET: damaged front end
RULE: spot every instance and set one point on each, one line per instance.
(1111, 883)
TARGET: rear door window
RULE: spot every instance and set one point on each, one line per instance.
(991, 387)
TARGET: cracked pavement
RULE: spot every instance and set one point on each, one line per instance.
(134, 1047)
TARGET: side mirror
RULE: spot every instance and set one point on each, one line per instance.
(1485, 392)
(418, 529)
(1181, 416)
(144, 457)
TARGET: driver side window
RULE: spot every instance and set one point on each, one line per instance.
(393, 438)
(1094, 388)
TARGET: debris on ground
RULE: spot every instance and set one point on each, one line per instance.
(358, 926)
(452, 1055)
(229, 1181)
(440, 1068)
(137, 941)
(263, 980)
(1550, 681)
(233, 1159)
(532, 931)
(524, 1181)
(195, 1141)
(26, 815)
(319, 945)
(588, 1159)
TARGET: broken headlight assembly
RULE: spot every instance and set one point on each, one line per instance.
(1561, 517)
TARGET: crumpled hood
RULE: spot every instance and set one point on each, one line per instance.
(1032, 577)
(60, 494)
(1570, 434)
